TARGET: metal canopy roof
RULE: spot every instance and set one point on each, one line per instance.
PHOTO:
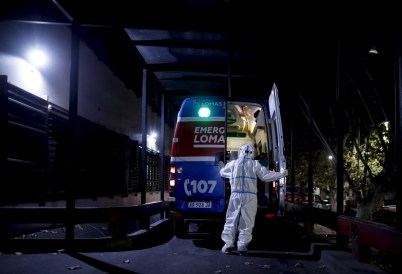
(213, 47)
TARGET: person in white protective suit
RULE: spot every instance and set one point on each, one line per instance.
(242, 208)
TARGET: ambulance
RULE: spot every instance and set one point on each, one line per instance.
(212, 129)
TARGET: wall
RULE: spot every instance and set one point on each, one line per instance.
(103, 98)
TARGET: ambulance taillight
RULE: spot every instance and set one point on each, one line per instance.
(172, 177)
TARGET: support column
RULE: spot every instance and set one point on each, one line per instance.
(143, 183)
(3, 153)
(308, 222)
(72, 160)
(341, 240)
(3, 127)
(339, 136)
(229, 62)
(310, 161)
(398, 127)
(162, 151)
(292, 154)
(162, 155)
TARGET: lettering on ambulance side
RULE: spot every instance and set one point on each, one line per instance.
(209, 135)
(199, 187)
(198, 103)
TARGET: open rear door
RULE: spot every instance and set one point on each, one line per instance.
(278, 146)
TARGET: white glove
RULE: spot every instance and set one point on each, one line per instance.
(221, 164)
(284, 173)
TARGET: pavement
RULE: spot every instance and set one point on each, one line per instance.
(162, 252)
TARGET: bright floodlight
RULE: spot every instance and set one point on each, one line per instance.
(204, 112)
(151, 138)
(37, 58)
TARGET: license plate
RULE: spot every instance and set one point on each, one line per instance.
(199, 204)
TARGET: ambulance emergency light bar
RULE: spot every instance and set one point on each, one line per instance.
(204, 112)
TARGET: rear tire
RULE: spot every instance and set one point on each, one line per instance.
(180, 229)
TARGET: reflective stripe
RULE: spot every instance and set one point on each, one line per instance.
(193, 159)
(249, 192)
(252, 178)
(211, 146)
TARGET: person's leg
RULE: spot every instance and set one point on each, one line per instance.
(246, 222)
(231, 224)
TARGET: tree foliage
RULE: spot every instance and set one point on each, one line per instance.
(370, 148)
(368, 153)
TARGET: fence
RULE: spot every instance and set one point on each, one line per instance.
(117, 219)
(35, 156)
(363, 234)
(366, 234)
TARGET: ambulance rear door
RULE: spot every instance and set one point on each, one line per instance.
(278, 146)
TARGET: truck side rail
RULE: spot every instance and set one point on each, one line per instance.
(366, 234)
(116, 217)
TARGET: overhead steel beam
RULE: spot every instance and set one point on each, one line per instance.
(36, 12)
(206, 80)
(219, 68)
(129, 14)
(137, 55)
(248, 70)
(187, 93)
(196, 75)
(196, 44)
(66, 14)
(246, 46)
(214, 16)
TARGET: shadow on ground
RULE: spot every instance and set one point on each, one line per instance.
(281, 235)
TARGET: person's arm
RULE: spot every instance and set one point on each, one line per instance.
(226, 170)
(267, 175)
(259, 169)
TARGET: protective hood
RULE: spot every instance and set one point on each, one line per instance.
(246, 150)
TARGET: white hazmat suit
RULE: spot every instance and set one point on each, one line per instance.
(242, 208)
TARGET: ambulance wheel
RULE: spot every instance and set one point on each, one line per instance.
(180, 229)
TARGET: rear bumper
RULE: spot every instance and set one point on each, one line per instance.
(198, 217)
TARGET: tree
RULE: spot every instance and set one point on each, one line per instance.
(365, 159)
(369, 165)
(324, 173)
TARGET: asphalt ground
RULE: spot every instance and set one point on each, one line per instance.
(281, 247)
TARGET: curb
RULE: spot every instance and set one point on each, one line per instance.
(343, 262)
(158, 232)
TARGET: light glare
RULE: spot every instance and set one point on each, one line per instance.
(204, 112)
(37, 58)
